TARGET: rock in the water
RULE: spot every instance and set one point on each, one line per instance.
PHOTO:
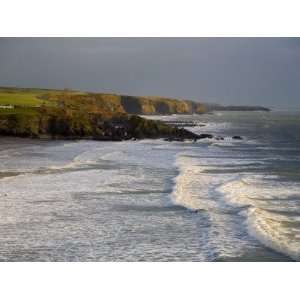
(205, 136)
(174, 139)
(237, 137)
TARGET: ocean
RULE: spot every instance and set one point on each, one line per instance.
(152, 200)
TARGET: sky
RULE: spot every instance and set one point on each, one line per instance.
(241, 71)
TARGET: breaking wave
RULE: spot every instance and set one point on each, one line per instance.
(270, 208)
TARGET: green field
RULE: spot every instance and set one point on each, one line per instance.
(18, 110)
(26, 97)
(21, 97)
(106, 104)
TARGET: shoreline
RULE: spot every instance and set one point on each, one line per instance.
(140, 154)
(135, 128)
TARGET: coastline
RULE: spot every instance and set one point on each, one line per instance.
(185, 191)
(121, 129)
(68, 114)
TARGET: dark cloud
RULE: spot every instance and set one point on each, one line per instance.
(263, 71)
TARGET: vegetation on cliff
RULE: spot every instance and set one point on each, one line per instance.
(97, 102)
(160, 106)
(52, 122)
(75, 114)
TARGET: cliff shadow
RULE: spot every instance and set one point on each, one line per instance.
(162, 108)
(132, 105)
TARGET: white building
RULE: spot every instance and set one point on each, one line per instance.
(9, 106)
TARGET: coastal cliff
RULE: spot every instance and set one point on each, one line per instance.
(73, 115)
(127, 104)
(66, 124)
(160, 106)
(108, 104)
(43, 113)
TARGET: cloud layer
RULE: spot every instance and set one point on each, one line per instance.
(262, 71)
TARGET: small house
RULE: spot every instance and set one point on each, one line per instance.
(6, 106)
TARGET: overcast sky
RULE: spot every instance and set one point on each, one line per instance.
(254, 71)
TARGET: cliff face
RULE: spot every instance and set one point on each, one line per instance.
(160, 106)
(107, 105)
(110, 103)
(58, 123)
(75, 114)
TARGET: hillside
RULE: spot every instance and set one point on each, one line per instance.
(108, 103)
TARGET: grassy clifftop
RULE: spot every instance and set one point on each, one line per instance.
(97, 102)
(107, 104)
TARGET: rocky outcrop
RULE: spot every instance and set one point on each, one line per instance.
(57, 123)
(237, 137)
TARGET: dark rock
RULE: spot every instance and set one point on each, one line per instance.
(219, 138)
(196, 211)
(205, 136)
(174, 139)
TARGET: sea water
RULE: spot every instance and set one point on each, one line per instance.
(152, 200)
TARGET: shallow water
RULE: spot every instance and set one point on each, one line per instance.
(153, 200)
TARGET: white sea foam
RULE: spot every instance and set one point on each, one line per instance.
(70, 165)
(194, 188)
(273, 215)
(271, 208)
(217, 126)
(275, 233)
(255, 188)
(183, 192)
